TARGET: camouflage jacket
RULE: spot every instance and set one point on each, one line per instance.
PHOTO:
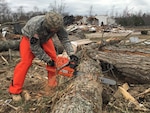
(34, 26)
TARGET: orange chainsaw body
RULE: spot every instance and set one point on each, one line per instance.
(62, 67)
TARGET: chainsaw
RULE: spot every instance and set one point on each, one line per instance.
(64, 69)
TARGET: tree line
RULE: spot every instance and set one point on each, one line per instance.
(134, 20)
(6, 14)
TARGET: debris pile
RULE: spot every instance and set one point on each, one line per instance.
(105, 51)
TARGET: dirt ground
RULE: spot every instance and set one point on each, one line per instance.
(40, 102)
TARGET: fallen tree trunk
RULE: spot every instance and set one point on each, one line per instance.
(131, 62)
(83, 94)
(14, 45)
(9, 44)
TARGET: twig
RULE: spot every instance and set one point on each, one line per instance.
(4, 60)
(7, 102)
(131, 99)
(112, 105)
(9, 51)
(143, 93)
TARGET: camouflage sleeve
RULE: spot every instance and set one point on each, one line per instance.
(31, 30)
(63, 37)
(37, 49)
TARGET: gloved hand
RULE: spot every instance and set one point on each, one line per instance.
(73, 61)
(51, 63)
(33, 40)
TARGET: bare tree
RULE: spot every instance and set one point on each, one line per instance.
(5, 12)
(20, 12)
(112, 11)
(58, 7)
(91, 10)
(35, 9)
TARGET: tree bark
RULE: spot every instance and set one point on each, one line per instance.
(83, 94)
(132, 62)
(14, 45)
(9, 44)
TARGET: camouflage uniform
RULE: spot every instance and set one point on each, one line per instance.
(35, 26)
(37, 42)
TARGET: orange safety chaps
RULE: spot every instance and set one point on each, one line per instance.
(22, 67)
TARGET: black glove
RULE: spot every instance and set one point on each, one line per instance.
(51, 63)
(33, 40)
(73, 61)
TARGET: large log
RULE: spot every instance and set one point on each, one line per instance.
(9, 44)
(133, 62)
(5, 45)
(84, 93)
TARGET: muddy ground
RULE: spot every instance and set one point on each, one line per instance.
(41, 100)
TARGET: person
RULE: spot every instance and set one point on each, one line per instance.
(37, 42)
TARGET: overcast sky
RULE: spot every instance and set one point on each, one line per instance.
(82, 7)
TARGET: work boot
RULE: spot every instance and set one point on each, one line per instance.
(26, 95)
(49, 88)
(16, 97)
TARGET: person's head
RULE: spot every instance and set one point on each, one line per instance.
(53, 21)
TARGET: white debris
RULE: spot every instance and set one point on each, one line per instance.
(134, 39)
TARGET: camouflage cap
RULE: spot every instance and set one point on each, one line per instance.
(53, 20)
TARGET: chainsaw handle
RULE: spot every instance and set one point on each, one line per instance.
(64, 65)
(73, 58)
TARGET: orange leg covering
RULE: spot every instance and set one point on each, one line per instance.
(50, 50)
(22, 67)
(26, 60)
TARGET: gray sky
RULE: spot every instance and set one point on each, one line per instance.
(82, 7)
